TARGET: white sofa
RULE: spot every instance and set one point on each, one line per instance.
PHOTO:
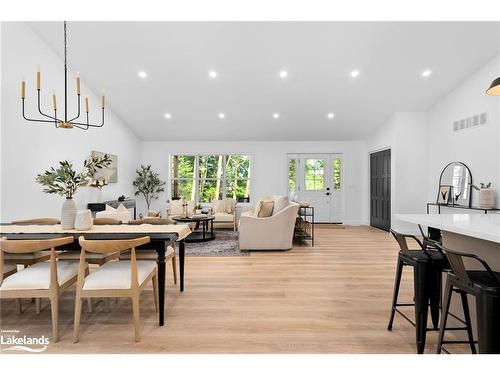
(224, 213)
(268, 233)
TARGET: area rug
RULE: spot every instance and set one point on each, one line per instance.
(225, 244)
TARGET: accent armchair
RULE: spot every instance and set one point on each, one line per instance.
(268, 233)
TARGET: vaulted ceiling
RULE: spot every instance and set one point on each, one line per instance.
(248, 58)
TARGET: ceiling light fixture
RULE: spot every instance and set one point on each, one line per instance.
(276, 115)
(426, 73)
(142, 74)
(494, 88)
(331, 115)
(283, 74)
(212, 74)
(168, 116)
(222, 115)
(355, 73)
(59, 122)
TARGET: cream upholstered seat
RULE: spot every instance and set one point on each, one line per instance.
(38, 276)
(115, 279)
(268, 233)
(116, 275)
(224, 211)
(47, 279)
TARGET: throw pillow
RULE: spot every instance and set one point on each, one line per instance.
(266, 208)
(280, 202)
(219, 205)
(109, 208)
(121, 208)
(176, 207)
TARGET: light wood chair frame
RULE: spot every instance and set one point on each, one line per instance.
(105, 246)
(54, 290)
(159, 221)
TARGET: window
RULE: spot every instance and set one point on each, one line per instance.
(337, 174)
(292, 174)
(314, 174)
(204, 178)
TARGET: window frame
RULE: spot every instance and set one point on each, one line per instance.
(196, 177)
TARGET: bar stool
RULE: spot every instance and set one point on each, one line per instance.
(427, 267)
(484, 285)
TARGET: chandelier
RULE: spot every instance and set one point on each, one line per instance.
(62, 122)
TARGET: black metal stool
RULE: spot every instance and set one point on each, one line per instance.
(427, 266)
(484, 285)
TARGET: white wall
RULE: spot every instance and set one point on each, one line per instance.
(270, 174)
(477, 147)
(30, 148)
(405, 134)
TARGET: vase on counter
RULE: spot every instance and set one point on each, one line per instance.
(68, 214)
(99, 195)
(487, 198)
(83, 220)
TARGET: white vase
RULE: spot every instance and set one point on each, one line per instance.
(487, 198)
(83, 220)
(68, 214)
(99, 196)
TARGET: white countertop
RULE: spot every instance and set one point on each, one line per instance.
(482, 226)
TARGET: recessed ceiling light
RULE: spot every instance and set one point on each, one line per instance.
(142, 74)
(283, 74)
(355, 73)
(276, 115)
(426, 73)
(222, 115)
(168, 115)
(212, 74)
(331, 115)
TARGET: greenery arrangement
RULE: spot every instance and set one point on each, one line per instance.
(482, 185)
(65, 180)
(148, 183)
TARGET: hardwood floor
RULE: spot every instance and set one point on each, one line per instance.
(333, 298)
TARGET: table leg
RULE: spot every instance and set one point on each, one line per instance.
(435, 292)
(182, 252)
(160, 249)
(421, 304)
(488, 324)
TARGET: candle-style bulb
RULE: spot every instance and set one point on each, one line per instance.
(23, 89)
(38, 79)
(103, 101)
(87, 105)
(54, 102)
(77, 83)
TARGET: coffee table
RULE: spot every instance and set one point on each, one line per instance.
(198, 235)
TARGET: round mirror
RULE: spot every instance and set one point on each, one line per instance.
(455, 185)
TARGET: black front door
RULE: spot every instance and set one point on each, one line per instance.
(380, 189)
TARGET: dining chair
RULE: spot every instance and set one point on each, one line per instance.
(95, 258)
(148, 254)
(27, 259)
(42, 279)
(115, 279)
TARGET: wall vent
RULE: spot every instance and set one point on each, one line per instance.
(480, 119)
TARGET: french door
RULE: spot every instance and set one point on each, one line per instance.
(317, 179)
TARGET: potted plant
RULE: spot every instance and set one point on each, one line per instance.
(65, 181)
(148, 183)
(198, 209)
(486, 195)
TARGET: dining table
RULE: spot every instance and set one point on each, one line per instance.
(161, 236)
